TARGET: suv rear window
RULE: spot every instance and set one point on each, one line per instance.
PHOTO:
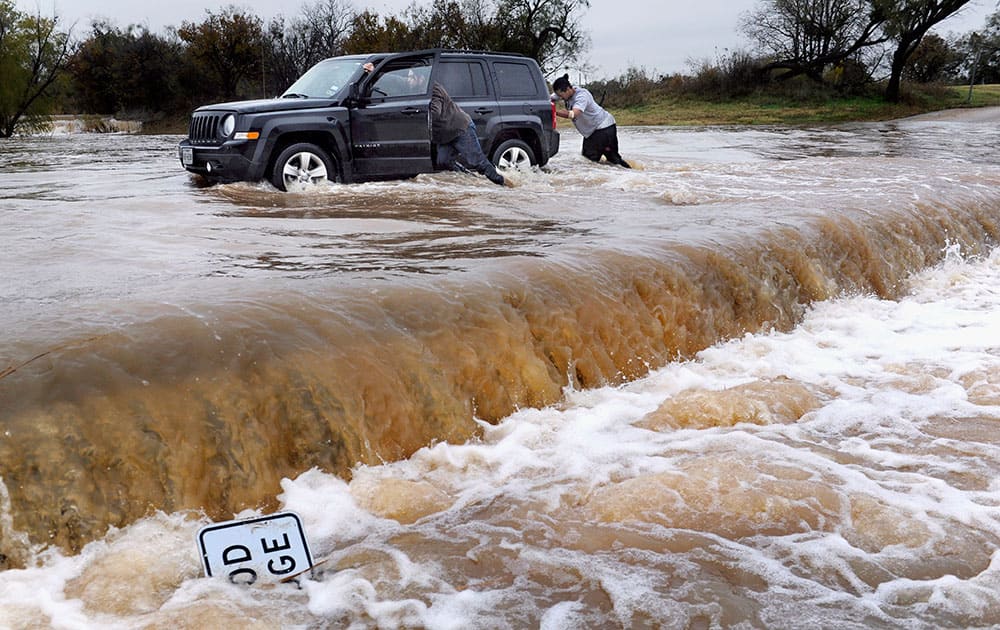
(515, 79)
(463, 78)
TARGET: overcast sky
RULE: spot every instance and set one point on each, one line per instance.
(657, 35)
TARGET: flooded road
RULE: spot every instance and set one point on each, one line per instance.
(752, 382)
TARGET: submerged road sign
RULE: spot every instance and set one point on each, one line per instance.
(269, 548)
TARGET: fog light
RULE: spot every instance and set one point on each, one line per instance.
(208, 167)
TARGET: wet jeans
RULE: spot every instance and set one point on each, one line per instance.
(464, 153)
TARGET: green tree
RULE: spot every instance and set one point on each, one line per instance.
(125, 71)
(33, 53)
(450, 24)
(371, 33)
(548, 31)
(226, 50)
(980, 51)
(94, 67)
(987, 50)
(149, 74)
(933, 60)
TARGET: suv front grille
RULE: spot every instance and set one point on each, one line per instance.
(204, 129)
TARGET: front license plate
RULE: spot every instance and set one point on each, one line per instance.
(269, 549)
(187, 156)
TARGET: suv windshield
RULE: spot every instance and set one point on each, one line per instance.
(324, 79)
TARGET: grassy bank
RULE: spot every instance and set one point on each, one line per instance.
(773, 110)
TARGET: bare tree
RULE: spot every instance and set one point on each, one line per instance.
(33, 52)
(909, 21)
(808, 36)
(320, 31)
(329, 22)
(547, 30)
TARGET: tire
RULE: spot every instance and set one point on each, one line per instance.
(514, 154)
(303, 166)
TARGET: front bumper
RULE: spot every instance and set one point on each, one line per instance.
(230, 161)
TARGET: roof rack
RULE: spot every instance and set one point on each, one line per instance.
(482, 52)
(430, 51)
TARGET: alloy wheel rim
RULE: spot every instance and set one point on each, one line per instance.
(303, 170)
(514, 157)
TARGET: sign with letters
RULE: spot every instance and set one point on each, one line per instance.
(269, 549)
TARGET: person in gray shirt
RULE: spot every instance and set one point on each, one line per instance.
(595, 124)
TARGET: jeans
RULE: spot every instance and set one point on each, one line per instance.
(464, 153)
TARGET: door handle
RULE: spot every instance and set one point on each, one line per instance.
(483, 110)
(409, 111)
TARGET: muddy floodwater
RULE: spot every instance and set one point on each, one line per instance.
(752, 383)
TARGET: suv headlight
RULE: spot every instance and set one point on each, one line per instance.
(228, 125)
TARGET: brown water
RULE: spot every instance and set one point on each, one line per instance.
(173, 347)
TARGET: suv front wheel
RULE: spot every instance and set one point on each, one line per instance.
(514, 154)
(303, 166)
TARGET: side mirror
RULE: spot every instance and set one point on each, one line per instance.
(355, 99)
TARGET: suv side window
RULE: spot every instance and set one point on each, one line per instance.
(402, 80)
(515, 79)
(463, 78)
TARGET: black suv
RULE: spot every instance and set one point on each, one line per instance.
(340, 123)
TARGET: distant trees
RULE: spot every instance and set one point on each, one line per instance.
(371, 32)
(226, 49)
(232, 54)
(548, 31)
(127, 70)
(318, 32)
(981, 52)
(33, 53)
(811, 37)
(933, 60)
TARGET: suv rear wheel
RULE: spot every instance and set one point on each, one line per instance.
(302, 166)
(514, 154)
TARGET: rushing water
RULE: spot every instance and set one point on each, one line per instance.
(754, 382)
